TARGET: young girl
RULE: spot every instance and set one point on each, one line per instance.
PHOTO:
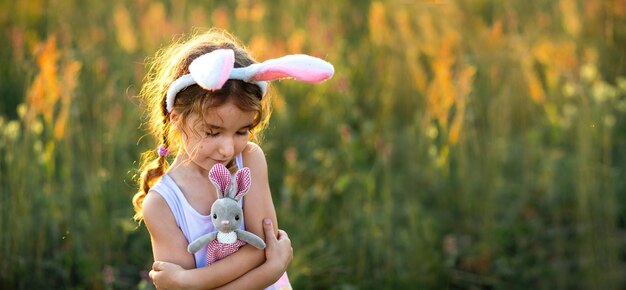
(207, 99)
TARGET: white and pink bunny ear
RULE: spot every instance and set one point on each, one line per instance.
(300, 67)
(220, 177)
(244, 181)
(210, 71)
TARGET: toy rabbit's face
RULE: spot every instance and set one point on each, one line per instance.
(226, 215)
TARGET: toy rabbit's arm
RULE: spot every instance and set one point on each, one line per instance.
(201, 242)
(251, 239)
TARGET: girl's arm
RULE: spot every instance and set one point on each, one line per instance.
(258, 204)
(278, 252)
(169, 244)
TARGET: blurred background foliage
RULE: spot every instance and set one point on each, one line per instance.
(471, 144)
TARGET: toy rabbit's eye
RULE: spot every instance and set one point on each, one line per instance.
(214, 216)
(237, 217)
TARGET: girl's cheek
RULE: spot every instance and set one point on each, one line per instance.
(242, 144)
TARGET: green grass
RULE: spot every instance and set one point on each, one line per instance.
(460, 144)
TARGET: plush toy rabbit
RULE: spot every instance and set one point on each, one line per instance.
(227, 216)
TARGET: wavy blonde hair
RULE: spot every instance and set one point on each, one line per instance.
(169, 64)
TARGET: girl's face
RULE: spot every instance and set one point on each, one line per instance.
(221, 136)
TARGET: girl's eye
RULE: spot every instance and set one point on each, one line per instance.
(211, 134)
(245, 132)
(214, 216)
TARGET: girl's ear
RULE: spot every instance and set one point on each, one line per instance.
(220, 177)
(243, 181)
(174, 119)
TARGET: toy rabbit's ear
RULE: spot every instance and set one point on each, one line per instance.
(243, 181)
(220, 177)
(301, 67)
(211, 70)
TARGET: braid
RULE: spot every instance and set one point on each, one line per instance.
(162, 160)
(155, 170)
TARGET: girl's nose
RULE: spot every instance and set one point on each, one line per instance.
(227, 148)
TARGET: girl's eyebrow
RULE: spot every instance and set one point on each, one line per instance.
(247, 126)
(211, 126)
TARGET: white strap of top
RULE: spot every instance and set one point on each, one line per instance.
(239, 161)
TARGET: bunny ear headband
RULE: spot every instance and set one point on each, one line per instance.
(210, 71)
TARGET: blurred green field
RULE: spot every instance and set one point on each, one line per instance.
(476, 144)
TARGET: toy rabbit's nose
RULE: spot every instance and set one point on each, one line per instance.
(225, 223)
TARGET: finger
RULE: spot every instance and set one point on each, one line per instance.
(161, 266)
(282, 235)
(268, 228)
(157, 266)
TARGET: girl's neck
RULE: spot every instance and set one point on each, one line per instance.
(194, 183)
(182, 164)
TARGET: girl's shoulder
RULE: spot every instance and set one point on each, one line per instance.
(254, 157)
(252, 147)
(154, 207)
(253, 150)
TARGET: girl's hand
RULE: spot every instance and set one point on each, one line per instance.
(166, 276)
(278, 251)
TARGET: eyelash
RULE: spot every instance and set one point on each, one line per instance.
(240, 133)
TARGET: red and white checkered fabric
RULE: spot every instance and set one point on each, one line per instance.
(220, 176)
(217, 251)
(243, 180)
